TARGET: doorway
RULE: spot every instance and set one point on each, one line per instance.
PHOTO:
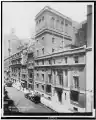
(59, 94)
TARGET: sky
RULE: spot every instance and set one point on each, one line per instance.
(21, 15)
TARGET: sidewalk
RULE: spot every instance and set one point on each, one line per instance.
(55, 106)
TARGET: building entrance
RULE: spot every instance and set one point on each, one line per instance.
(59, 94)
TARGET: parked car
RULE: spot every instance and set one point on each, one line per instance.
(9, 84)
(27, 95)
(35, 98)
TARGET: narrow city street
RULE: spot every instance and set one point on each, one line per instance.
(48, 58)
(23, 104)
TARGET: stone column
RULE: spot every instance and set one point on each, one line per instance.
(63, 78)
(55, 77)
(63, 97)
(69, 78)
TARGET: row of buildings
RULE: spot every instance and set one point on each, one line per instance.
(58, 66)
(20, 67)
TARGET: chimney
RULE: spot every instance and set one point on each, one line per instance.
(89, 26)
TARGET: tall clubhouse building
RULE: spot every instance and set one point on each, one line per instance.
(60, 65)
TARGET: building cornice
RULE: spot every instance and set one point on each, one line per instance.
(64, 53)
(52, 31)
(47, 8)
(61, 65)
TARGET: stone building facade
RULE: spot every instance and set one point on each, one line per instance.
(30, 67)
(21, 68)
(60, 69)
(15, 65)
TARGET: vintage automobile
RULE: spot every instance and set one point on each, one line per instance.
(27, 95)
(9, 84)
(35, 98)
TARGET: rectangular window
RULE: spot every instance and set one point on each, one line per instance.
(37, 85)
(37, 76)
(48, 88)
(37, 63)
(42, 77)
(53, 39)
(49, 61)
(37, 52)
(54, 72)
(65, 59)
(66, 25)
(42, 50)
(43, 18)
(49, 76)
(76, 82)
(52, 50)
(76, 59)
(54, 61)
(42, 87)
(60, 75)
(65, 96)
(60, 79)
(30, 75)
(39, 20)
(42, 62)
(43, 38)
(62, 25)
(66, 28)
(66, 72)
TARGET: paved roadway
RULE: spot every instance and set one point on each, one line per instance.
(25, 105)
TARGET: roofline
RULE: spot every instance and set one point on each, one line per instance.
(53, 11)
